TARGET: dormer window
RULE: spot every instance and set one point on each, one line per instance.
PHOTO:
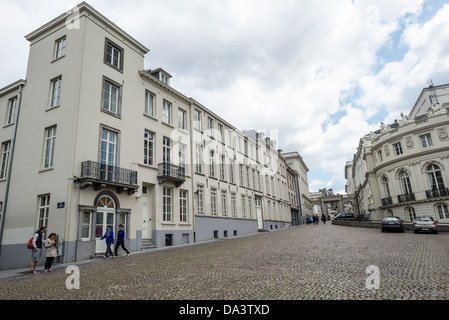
(161, 75)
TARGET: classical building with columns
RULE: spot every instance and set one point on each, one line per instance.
(92, 139)
(402, 168)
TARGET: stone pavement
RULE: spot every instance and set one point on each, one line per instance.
(309, 262)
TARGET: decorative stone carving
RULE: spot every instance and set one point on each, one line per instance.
(442, 134)
(387, 151)
(409, 142)
(405, 119)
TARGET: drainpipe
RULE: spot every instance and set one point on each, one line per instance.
(11, 156)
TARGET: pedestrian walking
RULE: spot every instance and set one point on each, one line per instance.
(51, 252)
(323, 217)
(36, 252)
(109, 236)
(120, 240)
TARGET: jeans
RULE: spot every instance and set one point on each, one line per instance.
(108, 250)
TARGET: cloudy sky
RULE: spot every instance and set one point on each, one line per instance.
(316, 74)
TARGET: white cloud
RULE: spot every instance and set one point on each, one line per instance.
(289, 65)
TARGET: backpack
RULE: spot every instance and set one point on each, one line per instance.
(30, 244)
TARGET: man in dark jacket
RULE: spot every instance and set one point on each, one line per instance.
(120, 240)
(36, 252)
(109, 236)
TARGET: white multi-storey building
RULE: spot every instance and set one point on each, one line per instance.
(402, 169)
(92, 139)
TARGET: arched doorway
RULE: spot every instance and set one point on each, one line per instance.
(105, 216)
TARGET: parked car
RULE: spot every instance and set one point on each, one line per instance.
(425, 223)
(392, 224)
(345, 215)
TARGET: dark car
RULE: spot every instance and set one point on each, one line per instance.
(344, 215)
(392, 224)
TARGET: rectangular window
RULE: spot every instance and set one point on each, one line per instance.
(231, 170)
(242, 182)
(166, 150)
(222, 168)
(212, 163)
(182, 119)
(6, 150)
(199, 158)
(183, 206)
(166, 112)
(148, 148)
(85, 227)
(50, 141)
(233, 208)
(167, 205)
(426, 140)
(182, 155)
(243, 206)
(43, 210)
(224, 203)
(200, 199)
(11, 111)
(210, 127)
(220, 133)
(55, 92)
(379, 154)
(250, 208)
(108, 147)
(398, 148)
(60, 48)
(213, 201)
(197, 120)
(149, 103)
(113, 55)
(111, 97)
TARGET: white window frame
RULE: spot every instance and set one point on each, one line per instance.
(49, 147)
(6, 153)
(200, 199)
(111, 96)
(426, 140)
(150, 100)
(182, 119)
(198, 158)
(167, 204)
(43, 211)
(11, 111)
(183, 205)
(213, 201)
(197, 120)
(148, 147)
(398, 148)
(55, 94)
(60, 48)
(224, 203)
(166, 112)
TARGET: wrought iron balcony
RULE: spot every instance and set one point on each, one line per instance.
(387, 201)
(406, 197)
(437, 193)
(100, 175)
(171, 172)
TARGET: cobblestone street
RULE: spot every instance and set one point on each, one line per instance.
(325, 262)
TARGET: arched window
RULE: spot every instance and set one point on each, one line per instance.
(443, 211)
(106, 202)
(405, 183)
(435, 177)
(411, 213)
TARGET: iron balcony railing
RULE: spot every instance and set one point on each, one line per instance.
(106, 173)
(437, 193)
(406, 197)
(171, 172)
(387, 201)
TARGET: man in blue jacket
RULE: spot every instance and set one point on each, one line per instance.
(109, 236)
(120, 240)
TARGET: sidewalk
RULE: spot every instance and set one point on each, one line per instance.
(5, 274)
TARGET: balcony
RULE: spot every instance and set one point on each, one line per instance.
(437, 193)
(101, 175)
(387, 201)
(406, 197)
(171, 172)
